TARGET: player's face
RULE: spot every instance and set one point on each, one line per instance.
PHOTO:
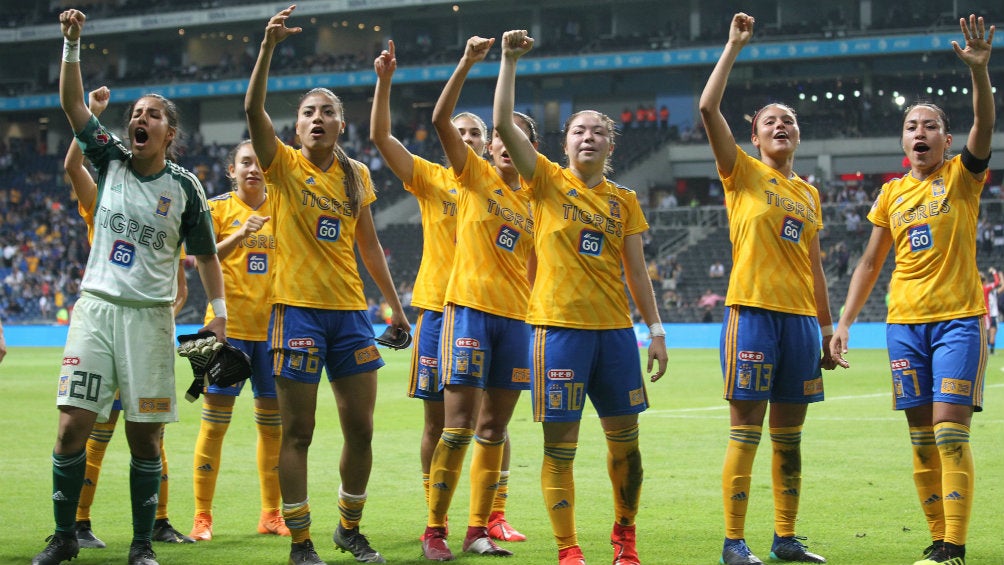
(500, 156)
(776, 131)
(149, 132)
(924, 138)
(245, 170)
(587, 141)
(471, 133)
(319, 121)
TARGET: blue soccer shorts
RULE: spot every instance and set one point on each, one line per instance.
(423, 379)
(306, 341)
(483, 350)
(262, 379)
(768, 355)
(570, 364)
(938, 362)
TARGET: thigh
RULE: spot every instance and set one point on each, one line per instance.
(910, 362)
(798, 376)
(749, 353)
(616, 387)
(959, 362)
(562, 361)
(510, 359)
(465, 353)
(87, 376)
(144, 357)
(423, 376)
(351, 347)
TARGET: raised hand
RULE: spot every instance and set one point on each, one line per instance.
(477, 48)
(71, 22)
(979, 42)
(386, 63)
(516, 43)
(741, 30)
(97, 100)
(276, 30)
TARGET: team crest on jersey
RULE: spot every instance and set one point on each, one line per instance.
(101, 136)
(573, 193)
(615, 209)
(310, 181)
(163, 205)
(938, 187)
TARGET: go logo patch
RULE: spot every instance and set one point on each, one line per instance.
(507, 238)
(791, 229)
(123, 254)
(920, 237)
(328, 228)
(257, 264)
(590, 242)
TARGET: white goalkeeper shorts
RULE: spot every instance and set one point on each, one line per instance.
(112, 348)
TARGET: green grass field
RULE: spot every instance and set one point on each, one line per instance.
(858, 506)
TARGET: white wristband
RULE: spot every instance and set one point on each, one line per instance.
(656, 330)
(71, 51)
(826, 330)
(219, 307)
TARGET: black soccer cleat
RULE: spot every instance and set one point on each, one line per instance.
(356, 544)
(86, 537)
(304, 554)
(62, 547)
(140, 553)
(163, 531)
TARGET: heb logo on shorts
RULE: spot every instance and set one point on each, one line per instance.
(561, 374)
(899, 364)
(328, 228)
(467, 342)
(72, 361)
(300, 343)
(427, 361)
(122, 254)
(751, 356)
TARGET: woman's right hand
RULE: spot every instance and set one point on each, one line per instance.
(97, 100)
(71, 22)
(276, 30)
(741, 30)
(516, 43)
(477, 48)
(386, 63)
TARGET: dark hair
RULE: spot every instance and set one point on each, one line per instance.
(756, 116)
(232, 158)
(173, 120)
(353, 181)
(531, 125)
(937, 110)
(607, 122)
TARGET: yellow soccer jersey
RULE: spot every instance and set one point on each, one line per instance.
(494, 241)
(772, 222)
(933, 225)
(246, 269)
(435, 187)
(579, 237)
(88, 216)
(315, 260)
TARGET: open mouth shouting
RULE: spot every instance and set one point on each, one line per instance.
(921, 148)
(317, 132)
(139, 137)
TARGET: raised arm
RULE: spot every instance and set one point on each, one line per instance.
(453, 144)
(976, 56)
(515, 44)
(394, 153)
(862, 282)
(71, 86)
(81, 182)
(723, 144)
(259, 123)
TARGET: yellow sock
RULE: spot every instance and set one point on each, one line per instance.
(444, 472)
(558, 483)
(269, 438)
(164, 482)
(927, 479)
(208, 448)
(736, 476)
(350, 507)
(957, 473)
(786, 475)
(501, 493)
(97, 443)
(297, 517)
(625, 470)
(425, 488)
(486, 466)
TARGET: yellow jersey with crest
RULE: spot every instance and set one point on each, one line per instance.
(435, 187)
(494, 241)
(315, 229)
(579, 234)
(246, 270)
(933, 225)
(772, 222)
